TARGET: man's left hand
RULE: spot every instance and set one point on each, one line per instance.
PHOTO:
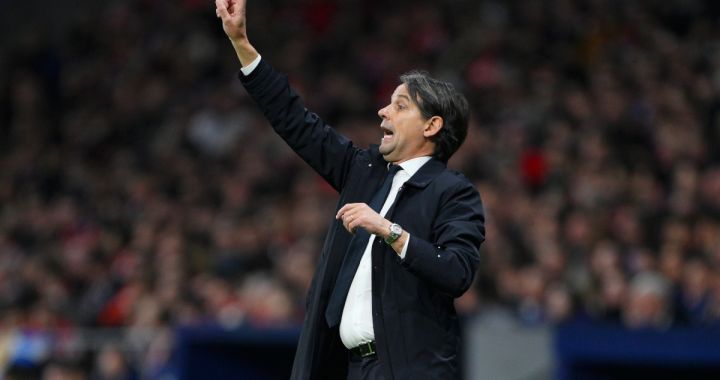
(360, 215)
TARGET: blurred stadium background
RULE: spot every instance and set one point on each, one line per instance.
(152, 226)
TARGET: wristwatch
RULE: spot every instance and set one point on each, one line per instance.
(395, 232)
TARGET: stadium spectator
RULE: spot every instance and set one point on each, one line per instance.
(127, 201)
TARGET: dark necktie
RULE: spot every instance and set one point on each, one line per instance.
(357, 246)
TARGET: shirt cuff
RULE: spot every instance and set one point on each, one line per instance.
(404, 250)
(247, 70)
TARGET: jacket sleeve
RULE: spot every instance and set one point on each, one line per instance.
(450, 263)
(327, 151)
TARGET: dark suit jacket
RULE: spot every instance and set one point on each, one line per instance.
(416, 327)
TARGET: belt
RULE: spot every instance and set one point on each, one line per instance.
(364, 350)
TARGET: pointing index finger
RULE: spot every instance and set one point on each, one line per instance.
(221, 6)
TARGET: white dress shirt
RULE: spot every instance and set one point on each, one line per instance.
(356, 325)
(246, 70)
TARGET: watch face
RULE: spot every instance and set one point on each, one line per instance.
(395, 229)
(395, 232)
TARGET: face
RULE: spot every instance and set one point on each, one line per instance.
(405, 132)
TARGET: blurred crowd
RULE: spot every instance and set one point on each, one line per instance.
(141, 190)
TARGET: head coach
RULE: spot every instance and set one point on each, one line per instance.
(405, 240)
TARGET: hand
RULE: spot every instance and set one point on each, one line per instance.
(232, 14)
(360, 215)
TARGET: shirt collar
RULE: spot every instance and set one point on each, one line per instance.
(411, 166)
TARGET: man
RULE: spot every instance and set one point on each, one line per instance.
(407, 232)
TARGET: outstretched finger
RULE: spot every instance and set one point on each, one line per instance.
(221, 9)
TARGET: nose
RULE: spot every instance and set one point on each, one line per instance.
(382, 112)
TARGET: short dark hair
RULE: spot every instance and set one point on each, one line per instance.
(438, 98)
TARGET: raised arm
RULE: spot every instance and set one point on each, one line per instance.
(327, 151)
(232, 14)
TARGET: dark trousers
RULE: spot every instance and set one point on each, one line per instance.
(364, 368)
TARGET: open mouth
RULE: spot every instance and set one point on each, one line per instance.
(387, 133)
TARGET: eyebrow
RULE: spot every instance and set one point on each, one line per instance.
(404, 96)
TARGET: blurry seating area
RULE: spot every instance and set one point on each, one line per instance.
(141, 190)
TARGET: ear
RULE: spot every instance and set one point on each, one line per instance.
(433, 126)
